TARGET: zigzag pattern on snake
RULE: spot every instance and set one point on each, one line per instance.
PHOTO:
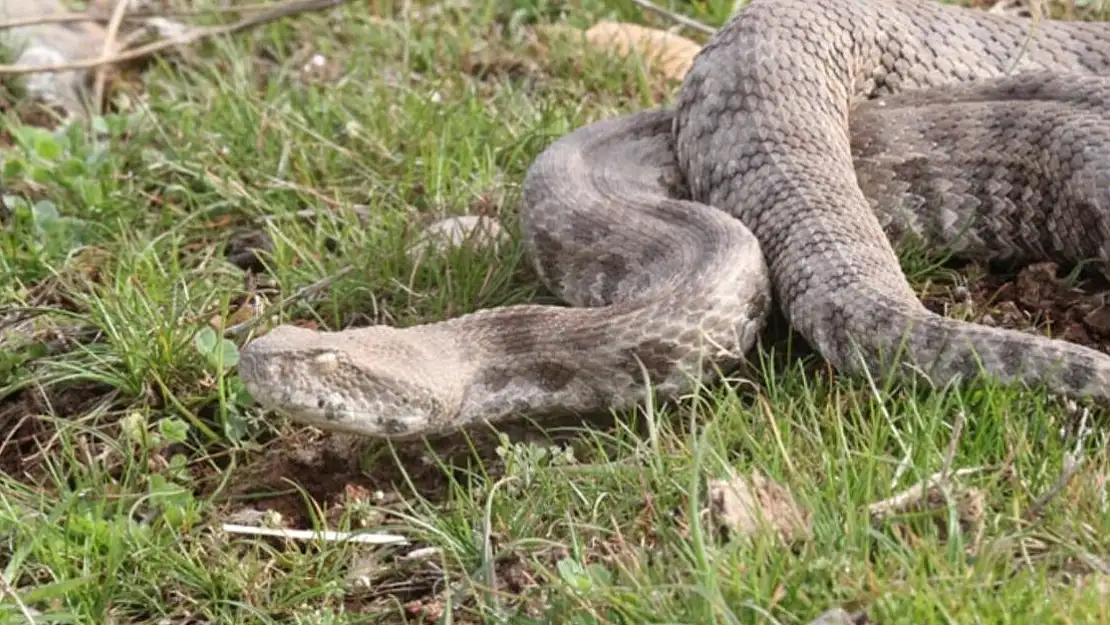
(807, 134)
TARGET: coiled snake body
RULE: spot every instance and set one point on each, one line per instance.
(806, 133)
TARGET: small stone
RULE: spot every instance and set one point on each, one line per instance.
(455, 231)
(423, 553)
(1098, 320)
(838, 616)
(247, 516)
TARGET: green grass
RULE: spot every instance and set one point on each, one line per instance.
(127, 438)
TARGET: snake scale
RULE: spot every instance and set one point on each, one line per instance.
(806, 137)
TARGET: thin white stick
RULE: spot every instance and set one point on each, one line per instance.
(327, 535)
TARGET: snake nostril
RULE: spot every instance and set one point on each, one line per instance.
(321, 402)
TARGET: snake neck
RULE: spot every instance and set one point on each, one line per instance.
(547, 361)
(526, 361)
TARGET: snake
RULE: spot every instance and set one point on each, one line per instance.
(807, 140)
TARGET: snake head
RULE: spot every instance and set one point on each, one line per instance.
(374, 381)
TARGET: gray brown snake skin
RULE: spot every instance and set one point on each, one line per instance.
(824, 127)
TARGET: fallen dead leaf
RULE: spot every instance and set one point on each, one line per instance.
(358, 502)
(1098, 582)
(667, 53)
(748, 505)
(248, 310)
(428, 610)
(88, 262)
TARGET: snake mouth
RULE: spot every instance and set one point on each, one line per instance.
(332, 411)
(323, 388)
(334, 414)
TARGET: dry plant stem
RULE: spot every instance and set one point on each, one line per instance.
(1071, 467)
(957, 431)
(917, 491)
(8, 590)
(301, 293)
(97, 16)
(675, 17)
(1072, 463)
(278, 12)
(118, 13)
(361, 212)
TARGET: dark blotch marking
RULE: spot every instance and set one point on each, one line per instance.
(760, 306)
(614, 270)
(495, 379)
(932, 341)
(923, 181)
(967, 364)
(552, 376)
(658, 357)
(588, 234)
(674, 183)
(654, 251)
(1012, 355)
(864, 135)
(392, 427)
(546, 252)
(517, 333)
(1078, 375)
(331, 411)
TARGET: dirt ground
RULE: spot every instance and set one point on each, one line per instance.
(1039, 297)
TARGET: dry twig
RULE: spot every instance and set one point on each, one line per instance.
(675, 17)
(12, 593)
(278, 12)
(133, 16)
(372, 538)
(917, 493)
(302, 293)
(1072, 464)
(118, 13)
(953, 443)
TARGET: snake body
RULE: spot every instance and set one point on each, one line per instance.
(807, 135)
